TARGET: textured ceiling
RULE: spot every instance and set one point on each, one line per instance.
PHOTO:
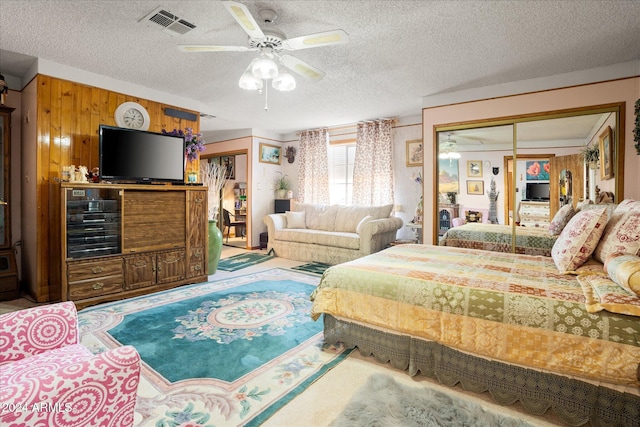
(399, 51)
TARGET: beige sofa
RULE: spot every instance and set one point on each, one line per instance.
(331, 234)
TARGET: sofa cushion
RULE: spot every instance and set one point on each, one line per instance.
(295, 219)
(317, 217)
(319, 237)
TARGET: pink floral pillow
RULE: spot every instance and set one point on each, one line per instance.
(560, 219)
(628, 205)
(578, 240)
(622, 235)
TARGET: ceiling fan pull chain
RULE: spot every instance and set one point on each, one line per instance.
(266, 96)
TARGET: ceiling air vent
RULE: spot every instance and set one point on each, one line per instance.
(170, 23)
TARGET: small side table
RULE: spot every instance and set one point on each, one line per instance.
(417, 230)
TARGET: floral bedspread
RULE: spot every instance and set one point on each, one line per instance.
(508, 307)
(496, 237)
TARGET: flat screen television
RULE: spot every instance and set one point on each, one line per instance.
(537, 191)
(128, 155)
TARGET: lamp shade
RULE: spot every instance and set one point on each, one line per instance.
(249, 82)
(264, 68)
(284, 82)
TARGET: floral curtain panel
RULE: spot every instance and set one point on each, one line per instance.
(373, 167)
(313, 172)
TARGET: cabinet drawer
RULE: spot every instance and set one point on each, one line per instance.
(95, 269)
(95, 287)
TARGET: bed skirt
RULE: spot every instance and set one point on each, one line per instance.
(576, 402)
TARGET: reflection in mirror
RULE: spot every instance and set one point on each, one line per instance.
(536, 175)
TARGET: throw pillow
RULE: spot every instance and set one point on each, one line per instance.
(560, 219)
(621, 235)
(624, 269)
(295, 219)
(363, 222)
(578, 240)
(628, 205)
(601, 293)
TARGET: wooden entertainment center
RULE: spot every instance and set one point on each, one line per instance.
(125, 240)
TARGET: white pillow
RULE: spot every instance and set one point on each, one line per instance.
(363, 222)
(295, 219)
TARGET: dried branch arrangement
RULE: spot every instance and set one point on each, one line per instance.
(213, 176)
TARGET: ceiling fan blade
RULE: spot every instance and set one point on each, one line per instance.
(242, 15)
(316, 40)
(302, 68)
(207, 48)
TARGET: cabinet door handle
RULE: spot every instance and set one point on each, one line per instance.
(97, 286)
(199, 199)
(97, 270)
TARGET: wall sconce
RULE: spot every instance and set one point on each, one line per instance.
(290, 154)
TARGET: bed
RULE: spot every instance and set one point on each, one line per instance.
(511, 324)
(497, 237)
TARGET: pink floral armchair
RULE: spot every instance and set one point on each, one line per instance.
(48, 379)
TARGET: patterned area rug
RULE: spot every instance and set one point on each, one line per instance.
(312, 267)
(230, 352)
(382, 401)
(237, 262)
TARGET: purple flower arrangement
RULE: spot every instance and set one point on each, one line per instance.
(193, 141)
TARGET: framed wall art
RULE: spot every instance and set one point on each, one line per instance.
(606, 154)
(270, 154)
(474, 168)
(414, 152)
(475, 187)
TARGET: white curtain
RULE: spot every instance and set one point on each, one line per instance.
(313, 169)
(373, 167)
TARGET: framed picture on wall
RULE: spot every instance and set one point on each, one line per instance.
(229, 164)
(448, 176)
(475, 186)
(538, 170)
(606, 154)
(474, 168)
(414, 152)
(270, 154)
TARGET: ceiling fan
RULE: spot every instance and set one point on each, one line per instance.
(271, 42)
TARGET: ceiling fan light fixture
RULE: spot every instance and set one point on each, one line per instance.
(249, 82)
(264, 68)
(284, 82)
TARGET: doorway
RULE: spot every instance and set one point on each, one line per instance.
(234, 218)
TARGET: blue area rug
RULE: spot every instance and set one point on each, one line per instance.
(230, 352)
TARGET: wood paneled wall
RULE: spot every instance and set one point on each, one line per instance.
(68, 117)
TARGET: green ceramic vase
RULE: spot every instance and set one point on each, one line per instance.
(215, 246)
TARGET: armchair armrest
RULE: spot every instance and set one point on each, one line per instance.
(274, 223)
(35, 330)
(98, 391)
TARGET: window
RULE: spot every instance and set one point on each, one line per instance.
(341, 159)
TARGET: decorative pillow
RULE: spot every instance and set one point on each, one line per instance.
(560, 219)
(625, 271)
(601, 293)
(473, 216)
(578, 239)
(621, 235)
(591, 266)
(363, 222)
(295, 219)
(628, 205)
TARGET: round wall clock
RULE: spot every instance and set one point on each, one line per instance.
(132, 115)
